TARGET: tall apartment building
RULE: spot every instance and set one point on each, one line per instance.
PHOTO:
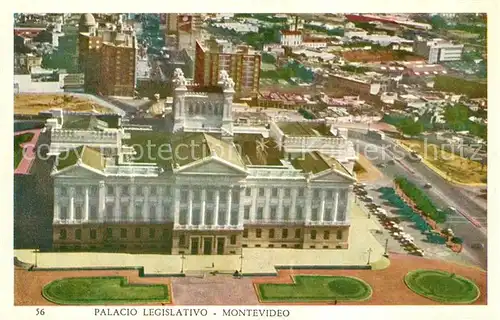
(107, 57)
(210, 194)
(185, 29)
(241, 63)
(438, 50)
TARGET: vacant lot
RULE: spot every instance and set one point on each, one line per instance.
(376, 56)
(36, 103)
(455, 167)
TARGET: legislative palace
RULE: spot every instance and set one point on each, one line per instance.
(205, 186)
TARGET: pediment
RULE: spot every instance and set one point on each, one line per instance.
(78, 171)
(212, 167)
(333, 176)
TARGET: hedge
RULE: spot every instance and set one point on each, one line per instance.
(421, 200)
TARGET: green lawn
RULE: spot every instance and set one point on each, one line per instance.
(18, 150)
(442, 286)
(316, 288)
(103, 290)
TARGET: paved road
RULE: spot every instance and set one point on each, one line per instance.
(442, 193)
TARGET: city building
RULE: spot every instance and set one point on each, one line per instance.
(290, 38)
(195, 191)
(183, 29)
(107, 57)
(438, 50)
(241, 63)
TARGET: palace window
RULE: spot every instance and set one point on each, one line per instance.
(246, 212)
(182, 240)
(109, 233)
(138, 232)
(248, 191)
(110, 190)
(260, 213)
(152, 191)
(63, 212)
(78, 212)
(314, 214)
(258, 233)
(313, 234)
(63, 192)
(297, 233)
(138, 190)
(78, 234)
(261, 192)
(274, 192)
(123, 233)
(271, 233)
(286, 213)
(287, 192)
(109, 211)
(326, 235)
(152, 213)
(233, 239)
(152, 233)
(298, 213)
(93, 234)
(274, 213)
(125, 191)
(339, 235)
(245, 233)
(284, 233)
(62, 234)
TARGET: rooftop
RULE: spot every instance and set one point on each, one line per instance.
(257, 150)
(316, 162)
(87, 155)
(83, 122)
(304, 129)
(169, 151)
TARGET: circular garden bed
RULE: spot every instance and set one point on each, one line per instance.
(442, 286)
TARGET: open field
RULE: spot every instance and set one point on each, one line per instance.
(36, 103)
(448, 164)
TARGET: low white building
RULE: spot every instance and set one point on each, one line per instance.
(438, 50)
(290, 38)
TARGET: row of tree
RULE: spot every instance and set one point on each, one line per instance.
(420, 199)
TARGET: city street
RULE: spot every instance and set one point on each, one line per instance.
(442, 193)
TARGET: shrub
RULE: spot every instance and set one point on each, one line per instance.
(457, 240)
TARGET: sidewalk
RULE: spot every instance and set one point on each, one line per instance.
(255, 260)
(29, 152)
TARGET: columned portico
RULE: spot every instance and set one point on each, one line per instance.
(228, 206)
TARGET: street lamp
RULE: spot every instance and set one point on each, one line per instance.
(369, 254)
(386, 245)
(182, 263)
(241, 261)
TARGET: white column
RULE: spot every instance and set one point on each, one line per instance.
(267, 204)
(228, 209)
(177, 205)
(253, 208)
(241, 207)
(86, 205)
(57, 213)
(294, 193)
(159, 198)
(146, 208)
(322, 207)
(71, 203)
(203, 204)
(308, 195)
(102, 201)
(216, 210)
(131, 205)
(118, 190)
(281, 194)
(190, 206)
(335, 206)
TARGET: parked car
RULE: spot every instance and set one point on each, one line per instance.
(427, 186)
(391, 161)
(477, 245)
(382, 165)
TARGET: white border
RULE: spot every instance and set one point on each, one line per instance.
(334, 312)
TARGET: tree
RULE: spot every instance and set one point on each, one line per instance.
(438, 22)
(411, 128)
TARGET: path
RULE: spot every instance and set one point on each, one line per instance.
(214, 290)
(28, 153)
(387, 284)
